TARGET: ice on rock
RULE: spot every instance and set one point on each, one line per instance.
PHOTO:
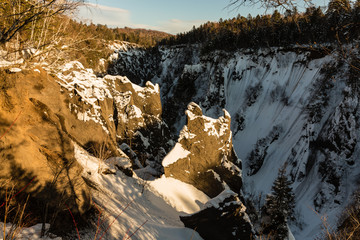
(186, 134)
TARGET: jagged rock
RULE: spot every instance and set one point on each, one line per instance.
(193, 109)
(224, 217)
(204, 154)
(204, 157)
(133, 101)
(115, 103)
(128, 113)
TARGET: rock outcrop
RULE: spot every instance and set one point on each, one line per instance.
(224, 217)
(204, 157)
(115, 103)
(127, 113)
(204, 154)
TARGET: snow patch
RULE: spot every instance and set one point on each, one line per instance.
(15, 70)
(5, 63)
(178, 152)
(215, 202)
(30, 233)
(182, 196)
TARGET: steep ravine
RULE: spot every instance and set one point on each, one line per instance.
(293, 106)
(88, 145)
(238, 116)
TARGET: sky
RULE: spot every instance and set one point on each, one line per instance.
(164, 15)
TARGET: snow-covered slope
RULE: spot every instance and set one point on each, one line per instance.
(293, 106)
(129, 202)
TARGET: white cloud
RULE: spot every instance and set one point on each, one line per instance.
(177, 26)
(118, 17)
(111, 16)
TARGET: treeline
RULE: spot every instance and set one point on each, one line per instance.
(340, 22)
(92, 40)
(143, 37)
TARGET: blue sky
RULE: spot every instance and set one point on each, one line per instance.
(163, 15)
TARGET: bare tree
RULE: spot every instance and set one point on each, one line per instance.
(284, 4)
(17, 15)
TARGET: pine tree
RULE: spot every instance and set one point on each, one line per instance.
(279, 206)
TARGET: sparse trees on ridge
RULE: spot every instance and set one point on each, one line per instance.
(44, 31)
(36, 30)
(17, 15)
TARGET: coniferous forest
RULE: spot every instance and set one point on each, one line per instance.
(339, 23)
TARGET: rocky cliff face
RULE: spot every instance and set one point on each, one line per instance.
(39, 144)
(297, 106)
(43, 116)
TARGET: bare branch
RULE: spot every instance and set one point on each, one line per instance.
(15, 16)
(267, 4)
